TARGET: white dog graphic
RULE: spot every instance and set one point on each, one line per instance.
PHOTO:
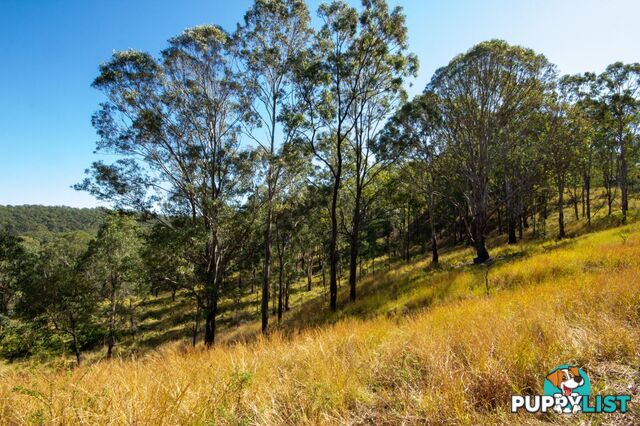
(566, 379)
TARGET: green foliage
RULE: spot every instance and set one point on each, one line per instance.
(20, 339)
(39, 220)
(343, 170)
(113, 264)
(55, 292)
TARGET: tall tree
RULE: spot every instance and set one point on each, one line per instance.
(415, 124)
(587, 113)
(481, 94)
(330, 79)
(273, 35)
(559, 150)
(383, 40)
(175, 123)
(618, 91)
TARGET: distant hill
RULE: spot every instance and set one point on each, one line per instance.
(36, 219)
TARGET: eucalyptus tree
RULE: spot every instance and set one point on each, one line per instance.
(565, 130)
(481, 94)
(310, 239)
(331, 78)
(415, 125)
(585, 114)
(288, 209)
(175, 123)
(382, 39)
(517, 170)
(327, 89)
(288, 219)
(618, 93)
(602, 144)
(273, 35)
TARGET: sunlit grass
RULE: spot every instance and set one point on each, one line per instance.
(422, 345)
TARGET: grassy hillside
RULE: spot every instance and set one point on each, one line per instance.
(420, 346)
(33, 219)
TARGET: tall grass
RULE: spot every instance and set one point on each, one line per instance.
(452, 355)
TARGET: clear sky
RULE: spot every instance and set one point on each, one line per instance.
(50, 51)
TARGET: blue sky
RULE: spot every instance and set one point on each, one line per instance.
(50, 51)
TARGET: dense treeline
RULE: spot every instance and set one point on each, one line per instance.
(20, 220)
(280, 151)
(69, 289)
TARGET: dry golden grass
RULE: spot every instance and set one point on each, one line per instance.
(440, 352)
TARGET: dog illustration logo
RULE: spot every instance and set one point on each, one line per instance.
(570, 382)
(567, 390)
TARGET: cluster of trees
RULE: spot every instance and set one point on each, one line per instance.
(285, 136)
(38, 220)
(280, 151)
(311, 101)
(497, 133)
(70, 288)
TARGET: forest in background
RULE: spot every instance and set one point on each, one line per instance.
(38, 220)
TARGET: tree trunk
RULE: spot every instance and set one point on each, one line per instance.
(432, 226)
(623, 177)
(407, 236)
(333, 245)
(309, 271)
(511, 225)
(482, 255)
(210, 326)
(534, 209)
(511, 217)
(520, 226)
(74, 342)
(211, 282)
(286, 292)
(575, 202)
(608, 177)
(479, 243)
(132, 319)
(280, 281)
(354, 245)
(587, 196)
(112, 317)
(196, 325)
(266, 271)
(561, 233)
(274, 299)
